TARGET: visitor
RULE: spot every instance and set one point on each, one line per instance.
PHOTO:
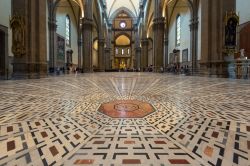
(58, 71)
(161, 70)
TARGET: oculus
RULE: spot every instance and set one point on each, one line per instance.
(123, 24)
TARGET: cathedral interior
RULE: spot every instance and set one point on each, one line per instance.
(124, 82)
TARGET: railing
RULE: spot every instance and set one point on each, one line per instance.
(239, 69)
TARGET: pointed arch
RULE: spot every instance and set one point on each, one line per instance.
(129, 12)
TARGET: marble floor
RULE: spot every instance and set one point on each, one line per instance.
(110, 119)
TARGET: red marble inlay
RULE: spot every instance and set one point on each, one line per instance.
(99, 142)
(129, 142)
(248, 145)
(37, 123)
(44, 134)
(53, 150)
(178, 161)
(219, 123)
(77, 136)
(209, 151)
(9, 129)
(85, 161)
(160, 142)
(181, 136)
(128, 129)
(215, 134)
(248, 128)
(11, 145)
(131, 161)
(126, 109)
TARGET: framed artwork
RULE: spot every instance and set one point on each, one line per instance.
(60, 48)
(185, 55)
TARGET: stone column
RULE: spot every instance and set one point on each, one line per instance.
(87, 45)
(158, 48)
(144, 56)
(80, 45)
(108, 64)
(194, 43)
(52, 44)
(212, 36)
(32, 61)
(87, 36)
(101, 58)
(80, 53)
(138, 57)
(166, 52)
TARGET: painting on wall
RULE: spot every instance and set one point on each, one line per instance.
(185, 55)
(60, 48)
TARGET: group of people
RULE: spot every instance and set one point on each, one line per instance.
(70, 70)
(177, 69)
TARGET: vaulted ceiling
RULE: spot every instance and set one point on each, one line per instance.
(80, 3)
(114, 5)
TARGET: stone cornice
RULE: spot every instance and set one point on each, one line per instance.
(194, 23)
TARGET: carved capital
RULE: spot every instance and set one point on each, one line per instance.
(87, 22)
(194, 23)
(52, 25)
(159, 21)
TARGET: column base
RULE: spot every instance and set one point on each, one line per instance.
(87, 70)
(214, 69)
(29, 70)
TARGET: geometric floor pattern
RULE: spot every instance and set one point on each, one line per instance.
(55, 121)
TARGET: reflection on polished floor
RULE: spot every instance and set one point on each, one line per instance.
(92, 119)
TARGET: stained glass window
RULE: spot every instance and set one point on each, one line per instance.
(68, 29)
(178, 30)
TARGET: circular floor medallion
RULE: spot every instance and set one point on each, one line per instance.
(126, 109)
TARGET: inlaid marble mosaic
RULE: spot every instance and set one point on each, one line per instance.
(125, 119)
